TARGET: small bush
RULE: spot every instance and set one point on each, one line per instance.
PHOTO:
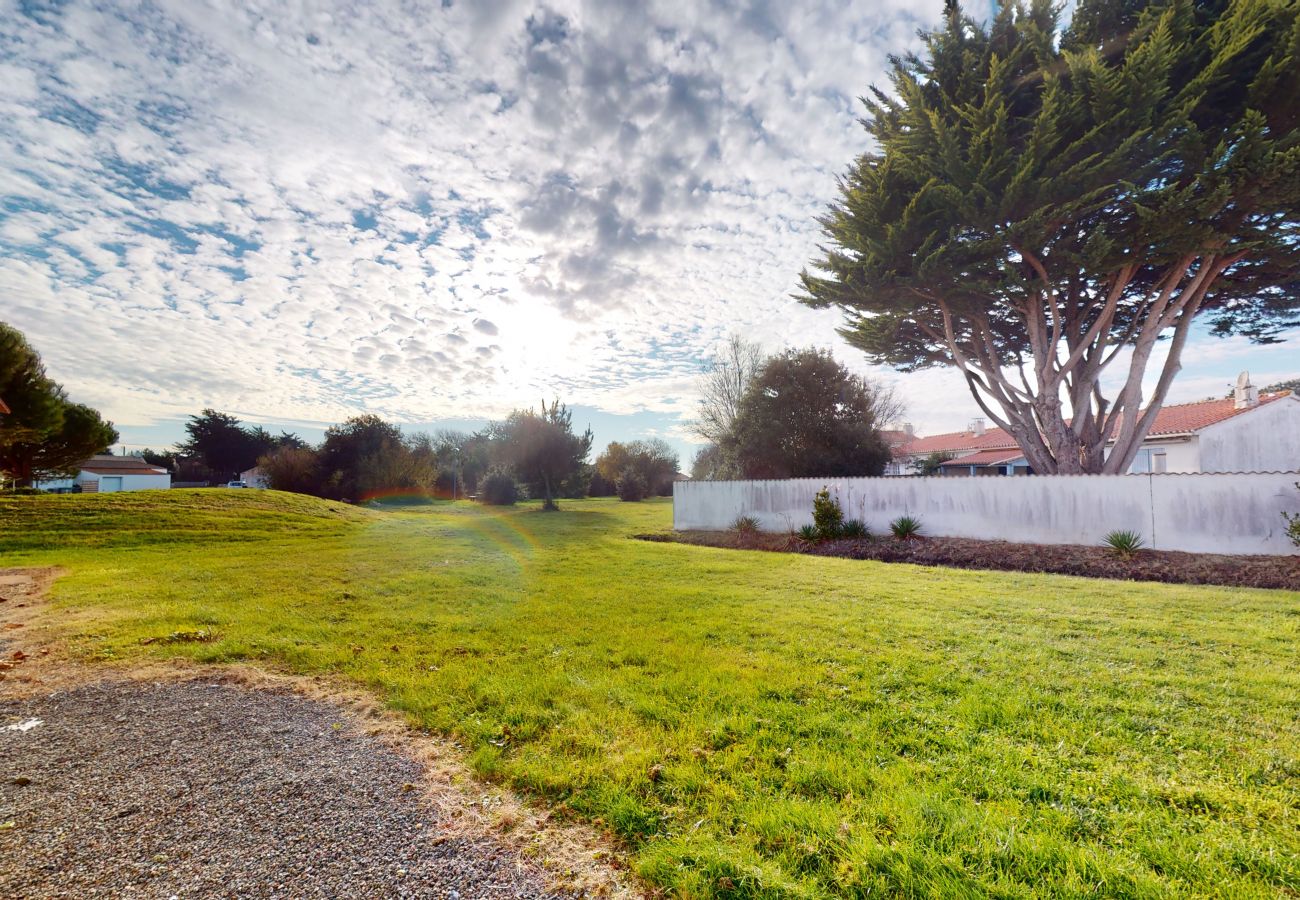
(828, 517)
(499, 489)
(808, 533)
(905, 528)
(1293, 525)
(1123, 543)
(745, 525)
(632, 486)
(855, 528)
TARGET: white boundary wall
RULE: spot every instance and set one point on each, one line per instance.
(1201, 513)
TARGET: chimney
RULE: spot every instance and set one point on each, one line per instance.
(908, 430)
(977, 427)
(1245, 395)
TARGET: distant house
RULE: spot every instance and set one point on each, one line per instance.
(255, 477)
(898, 440)
(1243, 433)
(108, 474)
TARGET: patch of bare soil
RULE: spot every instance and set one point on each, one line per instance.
(1168, 566)
(461, 833)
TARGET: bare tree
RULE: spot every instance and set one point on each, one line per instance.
(725, 379)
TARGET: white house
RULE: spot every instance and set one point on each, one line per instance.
(255, 477)
(107, 474)
(1243, 433)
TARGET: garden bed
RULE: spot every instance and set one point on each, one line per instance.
(1168, 566)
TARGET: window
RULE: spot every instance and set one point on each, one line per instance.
(1149, 459)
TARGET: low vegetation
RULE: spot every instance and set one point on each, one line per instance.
(744, 724)
(828, 516)
(1168, 566)
(1123, 544)
(905, 528)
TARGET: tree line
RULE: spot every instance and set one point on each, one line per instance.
(530, 453)
(537, 451)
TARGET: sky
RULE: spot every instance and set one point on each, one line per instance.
(298, 212)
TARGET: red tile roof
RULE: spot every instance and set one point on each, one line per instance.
(958, 441)
(1182, 418)
(1188, 417)
(986, 458)
(120, 465)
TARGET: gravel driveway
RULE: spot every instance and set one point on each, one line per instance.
(198, 789)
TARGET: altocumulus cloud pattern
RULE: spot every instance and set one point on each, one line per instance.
(420, 210)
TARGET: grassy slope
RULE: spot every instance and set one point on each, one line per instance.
(750, 724)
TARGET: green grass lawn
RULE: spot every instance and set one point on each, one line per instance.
(748, 724)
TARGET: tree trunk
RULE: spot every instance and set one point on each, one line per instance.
(1034, 415)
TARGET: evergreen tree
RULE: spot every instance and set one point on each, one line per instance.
(44, 435)
(1037, 211)
(223, 445)
(804, 415)
(542, 448)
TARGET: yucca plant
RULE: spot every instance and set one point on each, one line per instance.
(745, 525)
(905, 528)
(854, 528)
(809, 533)
(1124, 543)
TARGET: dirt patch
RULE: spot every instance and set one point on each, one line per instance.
(570, 858)
(1167, 566)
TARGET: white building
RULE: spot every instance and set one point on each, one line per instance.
(108, 474)
(1243, 433)
(255, 477)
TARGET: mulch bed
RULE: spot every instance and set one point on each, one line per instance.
(1168, 566)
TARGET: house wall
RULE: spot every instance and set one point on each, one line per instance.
(1198, 513)
(1266, 439)
(1182, 454)
(129, 482)
(146, 482)
(54, 484)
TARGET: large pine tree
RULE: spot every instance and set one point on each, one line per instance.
(1041, 206)
(43, 435)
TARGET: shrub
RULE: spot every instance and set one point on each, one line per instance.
(828, 518)
(1123, 543)
(632, 485)
(745, 525)
(808, 533)
(1293, 525)
(499, 489)
(905, 528)
(855, 528)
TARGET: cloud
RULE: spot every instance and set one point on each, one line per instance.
(305, 212)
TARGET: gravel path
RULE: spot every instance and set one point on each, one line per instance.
(199, 789)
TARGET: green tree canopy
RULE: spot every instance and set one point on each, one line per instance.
(365, 455)
(44, 435)
(542, 448)
(652, 460)
(223, 444)
(805, 415)
(1040, 208)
